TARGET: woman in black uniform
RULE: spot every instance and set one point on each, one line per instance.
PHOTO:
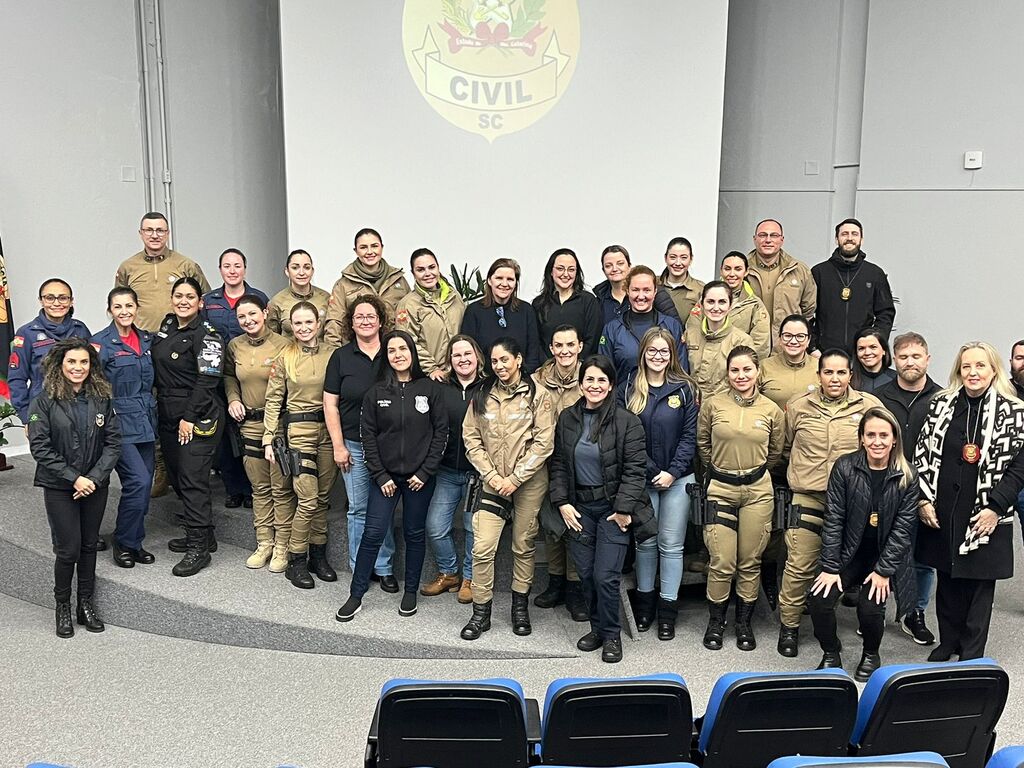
(188, 359)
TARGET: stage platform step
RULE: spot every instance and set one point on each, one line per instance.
(230, 604)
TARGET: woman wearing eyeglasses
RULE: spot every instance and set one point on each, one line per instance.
(563, 301)
(500, 313)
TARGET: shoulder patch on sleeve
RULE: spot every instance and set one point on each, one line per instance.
(33, 417)
(14, 361)
(18, 341)
(402, 317)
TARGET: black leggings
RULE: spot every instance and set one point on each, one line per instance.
(870, 615)
(74, 529)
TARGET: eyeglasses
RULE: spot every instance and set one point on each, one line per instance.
(794, 337)
(768, 235)
(564, 270)
(54, 299)
(653, 353)
(501, 316)
(363, 319)
(151, 232)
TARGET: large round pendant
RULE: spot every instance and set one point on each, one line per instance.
(971, 453)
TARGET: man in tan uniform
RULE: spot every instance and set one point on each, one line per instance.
(152, 271)
(560, 377)
(821, 426)
(783, 283)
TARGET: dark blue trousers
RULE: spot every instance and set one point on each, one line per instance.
(599, 555)
(380, 514)
(135, 468)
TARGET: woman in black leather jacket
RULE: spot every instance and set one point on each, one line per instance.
(75, 439)
(598, 485)
(870, 517)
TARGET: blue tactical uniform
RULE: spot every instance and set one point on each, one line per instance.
(620, 340)
(30, 345)
(220, 314)
(131, 376)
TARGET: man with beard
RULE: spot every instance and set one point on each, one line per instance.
(853, 293)
(907, 398)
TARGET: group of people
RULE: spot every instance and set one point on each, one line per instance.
(759, 409)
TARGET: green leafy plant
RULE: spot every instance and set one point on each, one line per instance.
(470, 285)
(530, 13)
(7, 414)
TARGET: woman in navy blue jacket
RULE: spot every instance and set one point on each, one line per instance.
(665, 399)
(126, 363)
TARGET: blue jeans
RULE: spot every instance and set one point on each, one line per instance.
(925, 577)
(357, 487)
(448, 494)
(380, 516)
(672, 508)
(135, 468)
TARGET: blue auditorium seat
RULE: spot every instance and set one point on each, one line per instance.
(453, 724)
(906, 760)
(951, 708)
(617, 721)
(753, 718)
(1007, 757)
(646, 765)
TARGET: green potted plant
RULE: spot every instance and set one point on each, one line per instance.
(470, 285)
(7, 415)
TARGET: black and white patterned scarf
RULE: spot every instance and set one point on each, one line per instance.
(1002, 430)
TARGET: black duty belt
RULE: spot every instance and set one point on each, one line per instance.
(747, 479)
(588, 493)
(254, 414)
(292, 418)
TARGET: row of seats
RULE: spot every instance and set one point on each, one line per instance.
(751, 719)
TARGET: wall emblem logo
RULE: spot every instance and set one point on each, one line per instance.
(491, 67)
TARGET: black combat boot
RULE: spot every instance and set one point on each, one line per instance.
(480, 623)
(318, 563)
(298, 572)
(745, 639)
(197, 556)
(521, 613)
(64, 626)
(643, 609)
(668, 610)
(87, 615)
(716, 625)
(553, 595)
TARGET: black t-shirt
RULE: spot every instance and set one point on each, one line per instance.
(350, 375)
(868, 549)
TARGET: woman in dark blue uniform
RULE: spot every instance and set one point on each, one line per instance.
(188, 360)
(75, 440)
(126, 363)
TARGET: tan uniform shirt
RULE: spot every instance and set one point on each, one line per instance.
(563, 392)
(296, 386)
(514, 435)
(152, 278)
(794, 293)
(247, 364)
(684, 296)
(749, 315)
(281, 304)
(350, 285)
(708, 352)
(431, 323)
(781, 381)
(736, 436)
(818, 433)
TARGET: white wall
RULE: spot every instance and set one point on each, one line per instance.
(629, 154)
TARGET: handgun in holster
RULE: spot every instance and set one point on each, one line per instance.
(282, 456)
(698, 496)
(235, 440)
(783, 504)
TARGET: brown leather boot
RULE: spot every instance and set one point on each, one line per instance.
(444, 582)
(466, 592)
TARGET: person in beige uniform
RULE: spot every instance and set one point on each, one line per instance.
(295, 396)
(739, 438)
(683, 287)
(783, 283)
(560, 377)
(710, 337)
(821, 426)
(431, 313)
(152, 271)
(368, 273)
(748, 312)
(509, 434)
(247, 364)
(787, 373)
(298, 268)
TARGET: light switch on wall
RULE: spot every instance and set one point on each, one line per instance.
(972, 159)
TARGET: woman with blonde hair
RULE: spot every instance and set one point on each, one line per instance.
(665, 399)
(971, 470)
(870, 517)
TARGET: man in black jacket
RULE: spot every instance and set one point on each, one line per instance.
(1017, 368)
(853, 293)
(907, 398)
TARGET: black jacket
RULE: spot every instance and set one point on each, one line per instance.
(62, 453)
(623, 465)
(456, 401)
(870, 305)
(582, 311)
(483, 324)
(404, 429)
(847, 506)
(909, 408)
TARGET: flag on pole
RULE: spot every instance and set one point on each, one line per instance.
(6, 325)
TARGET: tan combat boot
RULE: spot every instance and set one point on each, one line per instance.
(261, 556)
(279, 561)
